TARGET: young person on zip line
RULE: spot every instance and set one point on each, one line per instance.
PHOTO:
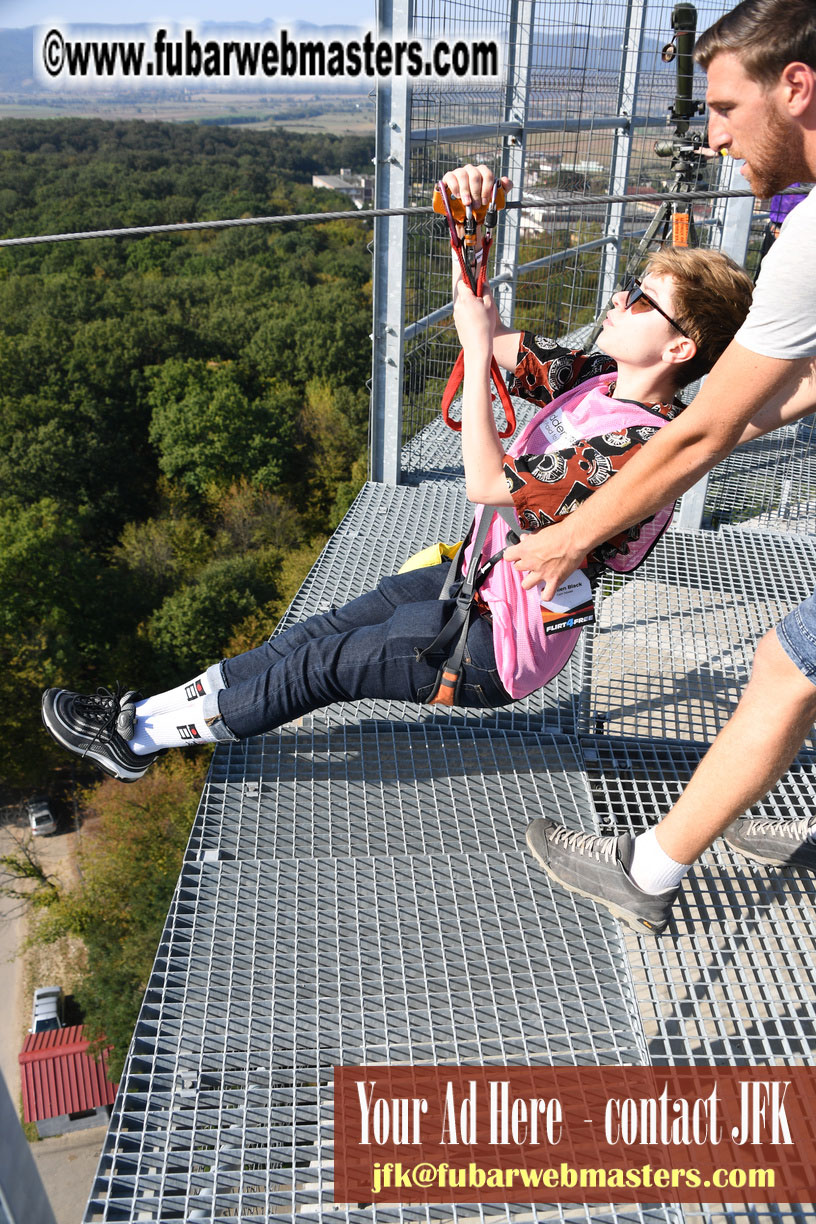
(596, 412)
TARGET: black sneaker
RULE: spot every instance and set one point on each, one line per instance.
(776, 843)
(97, 728)
(598, 868)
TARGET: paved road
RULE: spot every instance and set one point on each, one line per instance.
(67, 1163)
(11, 1034)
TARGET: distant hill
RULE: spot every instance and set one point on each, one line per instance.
(17, 58)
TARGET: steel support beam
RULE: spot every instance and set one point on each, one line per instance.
(23, 1199)
(622, 147)
(734, 215)
(519, 52)
(392, 158)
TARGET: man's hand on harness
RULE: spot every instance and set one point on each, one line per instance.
(549, 556)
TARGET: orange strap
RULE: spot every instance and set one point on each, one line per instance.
(452, 388)
(680, 229)
(446, 692)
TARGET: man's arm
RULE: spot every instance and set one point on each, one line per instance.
(790, 403)
(740, 384)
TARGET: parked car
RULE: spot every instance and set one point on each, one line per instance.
(40, 817)
(47, 1011)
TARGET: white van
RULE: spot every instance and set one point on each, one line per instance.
(47, 1012)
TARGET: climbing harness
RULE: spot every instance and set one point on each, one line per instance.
(455, 631)
(474, 270)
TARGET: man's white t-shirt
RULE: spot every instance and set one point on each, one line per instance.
(782, 319)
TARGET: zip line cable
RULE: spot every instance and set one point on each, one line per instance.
(356, 214)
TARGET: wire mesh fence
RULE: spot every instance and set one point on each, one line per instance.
(582, 110)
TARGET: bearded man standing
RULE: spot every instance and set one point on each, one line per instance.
(761, 64)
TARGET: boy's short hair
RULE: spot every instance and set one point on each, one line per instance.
(765, 34)
(711, 295)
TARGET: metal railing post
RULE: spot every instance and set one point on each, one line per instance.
(519, 52)
(734, 215)
(392, 159)
(622, 148)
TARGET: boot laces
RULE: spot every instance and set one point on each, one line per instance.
(793, 830)
(101, 707)
(586, 843)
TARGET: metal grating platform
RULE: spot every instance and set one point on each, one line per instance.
(768, 484)
(672, 649)
(356, 890)
(269, 973)
(382, 529)
(732, 980)
(388, 789)
(436, 451)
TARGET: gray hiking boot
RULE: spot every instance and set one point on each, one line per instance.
(776, 843)
(598, 868)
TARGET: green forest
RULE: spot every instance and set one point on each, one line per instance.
(184, 417)
(184, 422)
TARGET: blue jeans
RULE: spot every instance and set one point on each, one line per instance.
(368, 648)
(797, 636)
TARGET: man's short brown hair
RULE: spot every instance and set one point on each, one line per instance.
(711, 295)
(765, 35)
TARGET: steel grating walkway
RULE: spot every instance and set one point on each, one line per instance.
(733, 981)
(768, 484)
(388, 789)
(356, 890)
(673, 647)
(296, 941)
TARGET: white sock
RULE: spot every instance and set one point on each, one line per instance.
(209, 681)
(651, 868)
(180, 728)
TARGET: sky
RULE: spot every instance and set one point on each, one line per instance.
(16, 13)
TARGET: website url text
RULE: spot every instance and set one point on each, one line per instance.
(187, 58)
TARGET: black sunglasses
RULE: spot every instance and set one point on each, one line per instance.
(635, 293)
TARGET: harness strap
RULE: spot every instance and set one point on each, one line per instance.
(456, 627)
(453, 384)
(465, 252)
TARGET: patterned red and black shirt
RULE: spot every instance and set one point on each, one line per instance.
(546, 488)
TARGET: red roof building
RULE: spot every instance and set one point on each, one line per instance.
(60, 1077)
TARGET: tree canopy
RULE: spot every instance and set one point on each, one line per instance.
(180, 415)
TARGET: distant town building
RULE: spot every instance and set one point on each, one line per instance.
(553, 212)
(584, 167)
(358, 187)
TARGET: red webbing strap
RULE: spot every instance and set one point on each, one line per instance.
(453, 384)
(457, 374)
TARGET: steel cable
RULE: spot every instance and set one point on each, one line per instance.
(554, 201)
